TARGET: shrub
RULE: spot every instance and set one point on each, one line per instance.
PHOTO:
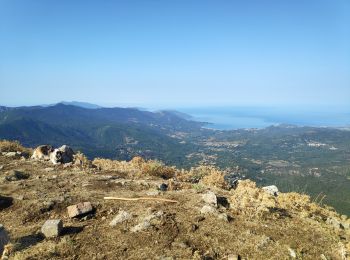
(215, 178)
(13, 146)
(251, 200)
(158, 169)
(82, 161)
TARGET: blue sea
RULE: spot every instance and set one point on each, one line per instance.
(226, 118)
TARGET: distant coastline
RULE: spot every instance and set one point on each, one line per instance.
(230, 118)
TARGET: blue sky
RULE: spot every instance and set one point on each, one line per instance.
(175, 53)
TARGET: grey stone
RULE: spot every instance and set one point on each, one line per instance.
(210, 198)
(223, 216)
(153, 193)
(52, 228)
(12, 154)
(272, 190)
(146, 222)
(207, 209)
(141, 226)
(4, 238)
(163, 187)
(121, 217)
(335, 223)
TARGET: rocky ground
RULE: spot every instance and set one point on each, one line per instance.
(205, 222)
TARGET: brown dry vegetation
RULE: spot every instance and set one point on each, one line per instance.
(13, 146)
(259, 225)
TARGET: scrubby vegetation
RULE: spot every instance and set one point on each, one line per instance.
(14, 146)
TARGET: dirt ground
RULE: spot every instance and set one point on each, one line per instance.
(180, 232)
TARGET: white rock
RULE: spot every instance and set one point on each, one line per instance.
(207, 209)
(146, 222)
(141, 226)
(121, 217)
(210, 198)
(232, 257)
(223, 216)
(272, 190)
(292, 253)
(334, 222)
(52, 228)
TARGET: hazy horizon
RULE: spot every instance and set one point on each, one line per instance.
(168, 54)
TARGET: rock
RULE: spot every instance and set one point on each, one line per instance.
(12, 155)
(121, 217)
(79, 209)
(207, 209)
(52, 228)
(194, 227)
(14, 175)
(163, 187)
(18, 197)
(272, 190)
(182, 245)
(1, 167)
(210, 198)
(335, 223)
(223, 216)
(146, 222)
(233, 257)
(153, 193)
(4, 238)
(49, 169)
(158, 214)
(141, 226)
(292, 253)
(346, 224)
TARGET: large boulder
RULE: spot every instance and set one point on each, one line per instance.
(64, 154)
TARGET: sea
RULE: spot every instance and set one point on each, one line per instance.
(229, 118)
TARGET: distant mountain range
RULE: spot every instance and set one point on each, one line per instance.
(109, 132)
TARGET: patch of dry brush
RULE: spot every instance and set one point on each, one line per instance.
(14, 146)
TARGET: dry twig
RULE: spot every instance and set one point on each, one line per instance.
(141, 198)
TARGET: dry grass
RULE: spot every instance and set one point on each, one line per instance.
(137, 167)
(82, 161)
(13, 146)
(250, 200)
(157, 169)
(204, 175)
(215, 178)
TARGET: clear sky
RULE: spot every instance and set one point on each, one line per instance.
(175, 53)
